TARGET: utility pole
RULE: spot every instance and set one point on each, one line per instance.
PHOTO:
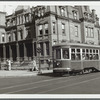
(39, 51)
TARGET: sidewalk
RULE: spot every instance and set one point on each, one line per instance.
(19, 73)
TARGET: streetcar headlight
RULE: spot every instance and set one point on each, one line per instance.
(58, 64)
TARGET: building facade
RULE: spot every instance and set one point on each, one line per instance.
(2, 34)
(44, 26)
(57, 24)
(20, 35)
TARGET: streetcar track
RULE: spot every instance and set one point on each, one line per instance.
(68, 85)
(43, 81)
(52, 84)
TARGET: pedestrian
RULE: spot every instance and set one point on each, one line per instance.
(34, 66)
(8, 64)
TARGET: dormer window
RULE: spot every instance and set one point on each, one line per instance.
(74, 14)
(62, 11)
(41, 11)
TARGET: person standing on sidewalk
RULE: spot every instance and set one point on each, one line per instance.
(9, 64)
(34, 66)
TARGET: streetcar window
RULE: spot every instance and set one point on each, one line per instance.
(73, 51)
(78, 50)
(65, 53)
(58, 54)
(77, 56)
(73, 54)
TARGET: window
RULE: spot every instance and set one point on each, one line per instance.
(15, 36)
(42, 52)
(89, 32)
(53, 24)
(92, 33)
(75, 54)
(86, 30)
(62, 11)
(65, 53)
(9, 37)
(76, 30)
(90, 54)
(40, 30)
(58, 54)
(63, 29)
(46, 28)
(47, 48)
(21, 34)
(78, 56)
(75, 14)
(3, 37)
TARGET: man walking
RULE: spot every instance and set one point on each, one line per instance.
(34, 65)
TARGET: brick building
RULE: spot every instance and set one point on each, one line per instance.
(44, 26)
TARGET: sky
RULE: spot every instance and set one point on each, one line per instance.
(10, 7)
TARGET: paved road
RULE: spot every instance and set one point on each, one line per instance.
(48, 84)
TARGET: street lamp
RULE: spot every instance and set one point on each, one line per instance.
(39, 51)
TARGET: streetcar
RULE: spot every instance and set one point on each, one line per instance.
(76, 58)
